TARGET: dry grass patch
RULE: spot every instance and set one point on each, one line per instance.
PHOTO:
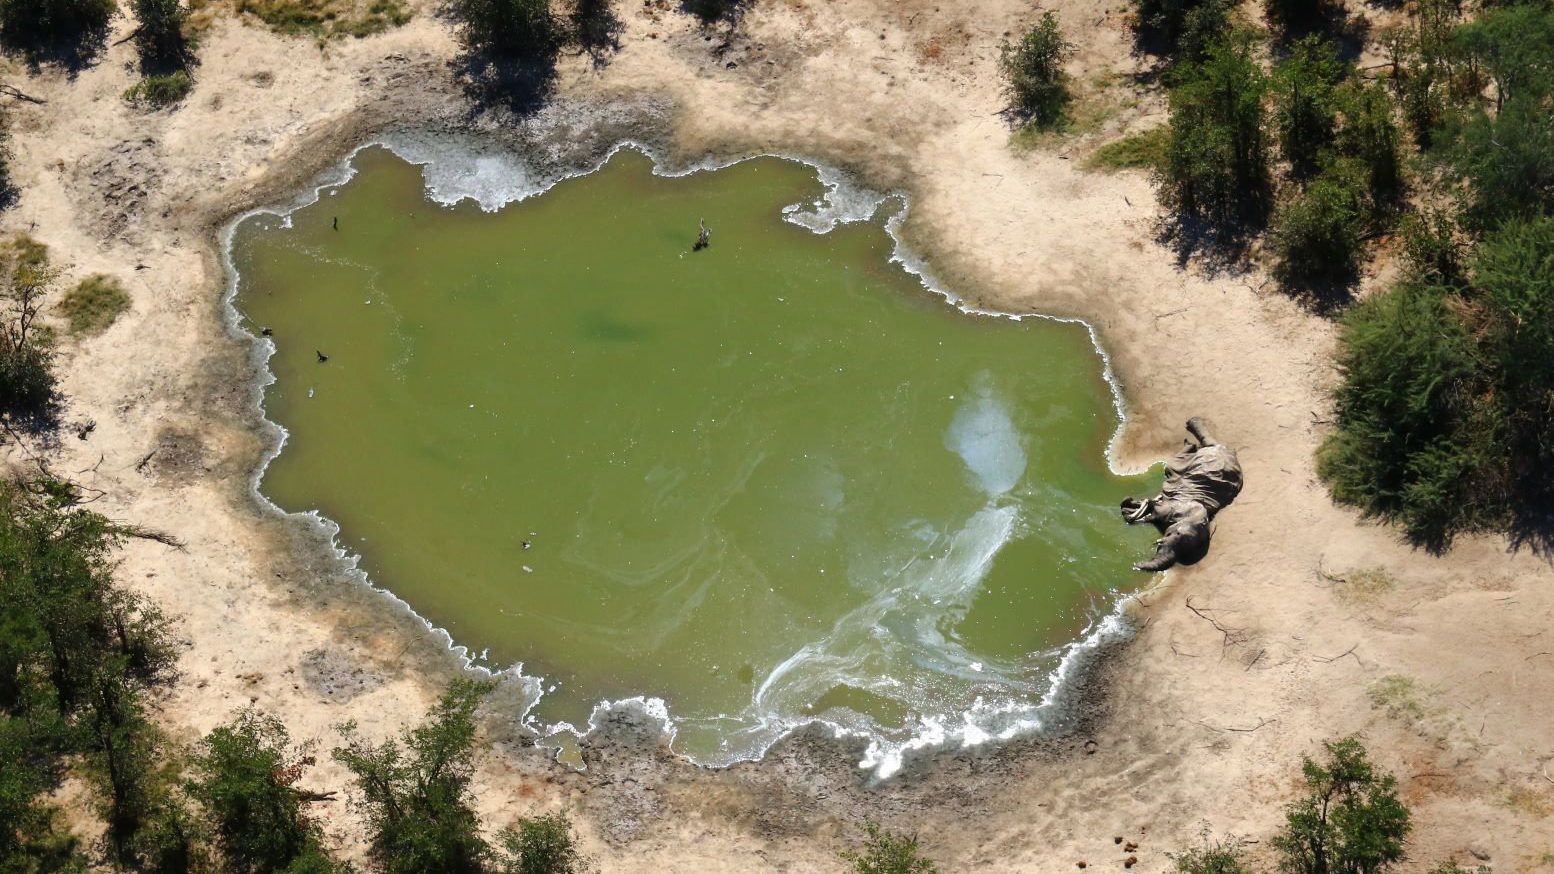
(325, 19)
(93, 305)
(1144, 150)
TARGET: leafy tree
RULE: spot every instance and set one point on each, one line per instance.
(1349, 822)
(1368, 135)
(1175, 27)
(887, 853)
(1033, 69)
(29, 393)
(160, 36)
(543, 845)
(40, 25)
(1294, 16)
(1216, 164)
(29, 840)
(246, 773)
(1225, 856)
(415, 793)
(523, 30)
(1204, 25)
(1316, 236)
(1305, 117)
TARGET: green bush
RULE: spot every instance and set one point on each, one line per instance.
(543, 845)
(245, 776)
(887, 853)
(415, 793)
(1216, 163)
(1431, 252)
(525, 30)
(1444, 420)
(1316, 235)
(94, 304)
(1350, 819)
(1033, 71)
(1305, 115)
(1227, 856)
(161, 91)
(37, 25)
(1399, 453)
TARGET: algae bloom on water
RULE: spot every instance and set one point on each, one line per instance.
(765, 483)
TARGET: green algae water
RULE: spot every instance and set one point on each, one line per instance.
(771, 482)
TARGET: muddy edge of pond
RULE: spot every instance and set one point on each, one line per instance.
(806, 778)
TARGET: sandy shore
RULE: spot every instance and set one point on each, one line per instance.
(1242, 664)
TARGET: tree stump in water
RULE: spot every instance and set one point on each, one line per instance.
(703, 238)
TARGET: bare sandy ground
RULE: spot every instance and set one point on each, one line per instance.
(1304, 624)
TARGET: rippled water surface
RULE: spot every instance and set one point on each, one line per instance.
(767, 482)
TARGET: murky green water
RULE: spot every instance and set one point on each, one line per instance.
(771, 480)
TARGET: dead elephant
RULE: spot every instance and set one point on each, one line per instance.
(1200, 481)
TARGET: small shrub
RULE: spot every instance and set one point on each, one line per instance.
(1226, 856)
(161, 91)
(93, 305)
(1431, 252)
(1350, 819)
(887, 853)
(543, 845)
(1033, 69)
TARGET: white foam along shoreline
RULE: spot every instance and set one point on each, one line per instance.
(457, 168)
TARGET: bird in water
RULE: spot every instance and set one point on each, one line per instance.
(321, 356)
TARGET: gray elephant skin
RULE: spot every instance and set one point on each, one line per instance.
(1200, 481)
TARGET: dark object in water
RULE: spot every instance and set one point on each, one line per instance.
(321, 356)
(336, 222)
(266, 332)
(703, 238)
(1200, 481)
